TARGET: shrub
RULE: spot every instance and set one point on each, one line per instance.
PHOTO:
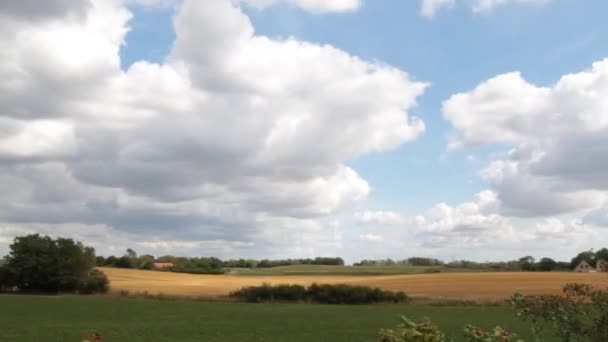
(475, 334)
(325, 294)
(268, 293)
(95, 282)
(425, 331)
(581, 313)
(409, 331)
(348, 294)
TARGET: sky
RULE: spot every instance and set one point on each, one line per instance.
(366, 129)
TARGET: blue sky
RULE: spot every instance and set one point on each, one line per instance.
(454, 52)
(226, 136)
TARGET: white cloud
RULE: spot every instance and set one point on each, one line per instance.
(153, 3)
(371, 237)
(312, 5)
(237, 137)
(554, 229)
(488, 5)
(479, 225)
(379, 217)
(430, 8)
(33, 9)
(559, 136)
(471, 222)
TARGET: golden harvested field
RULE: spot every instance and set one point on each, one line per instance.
(482, 286)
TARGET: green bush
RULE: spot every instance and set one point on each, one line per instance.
(410, 331)
(475, 334)
(425, 331)
(348, 294)
(581, 313)
(95, 282)
(268, 293)
(325, 294)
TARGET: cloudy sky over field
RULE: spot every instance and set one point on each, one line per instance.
(296, 128)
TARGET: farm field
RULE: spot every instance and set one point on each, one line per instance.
(474, 286)
(38, 318)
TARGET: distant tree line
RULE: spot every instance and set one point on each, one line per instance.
(290, 262)
(527, 263)
(414, 261)
(211, 265)
(202, 265)
(590, 257)
(40, 264)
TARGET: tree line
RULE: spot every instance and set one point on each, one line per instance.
(203, 265)
(526, 263)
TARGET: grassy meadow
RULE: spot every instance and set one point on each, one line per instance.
(66, 318)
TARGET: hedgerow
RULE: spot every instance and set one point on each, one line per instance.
(323, 294)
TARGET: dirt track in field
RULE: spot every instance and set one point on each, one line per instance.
(483, 286)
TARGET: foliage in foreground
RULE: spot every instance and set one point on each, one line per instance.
(426, 331)
(324, 294)
(40, 264)
(580, 314)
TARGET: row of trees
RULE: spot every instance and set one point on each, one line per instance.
(590, 256)
(40, 264)
(527, 263)
(206, 265)
(414, 261)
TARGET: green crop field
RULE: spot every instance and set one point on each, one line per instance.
(65, 319)
(319, 270)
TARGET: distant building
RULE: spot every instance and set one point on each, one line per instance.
(584, 267)
(163, 264)
(602, 266)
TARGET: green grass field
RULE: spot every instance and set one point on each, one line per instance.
(319, 270)
(65, 319)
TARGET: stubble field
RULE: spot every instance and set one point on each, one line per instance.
(472, 286)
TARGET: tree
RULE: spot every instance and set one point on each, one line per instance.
(100, 261)
(111, 261)
(588, 256)
(601, 255)
(124, 262)
(547, 264)
(145, 262)
(527, 263)
(131, 253)
(417, 261)
(6, 277)
(40, 264)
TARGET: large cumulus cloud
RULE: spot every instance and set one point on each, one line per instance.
(558, 135)
(233, 136)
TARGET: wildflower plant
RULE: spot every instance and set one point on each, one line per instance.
(92, 337)
(410, 331)
(499, 334)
